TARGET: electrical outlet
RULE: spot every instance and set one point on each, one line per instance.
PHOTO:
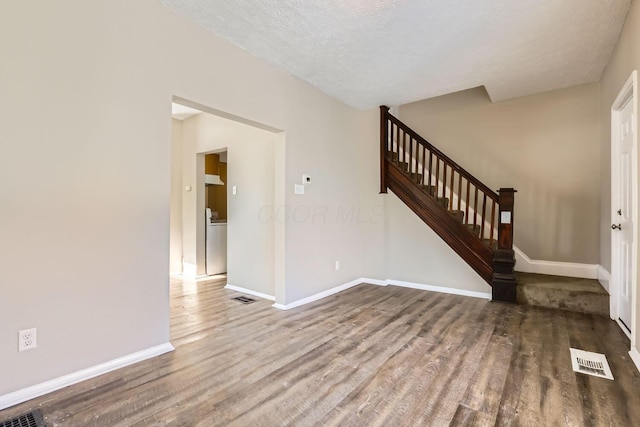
(27, 339)
(337, 265)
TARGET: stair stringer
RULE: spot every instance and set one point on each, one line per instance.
(471, 249)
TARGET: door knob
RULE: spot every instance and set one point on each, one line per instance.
(614, 226)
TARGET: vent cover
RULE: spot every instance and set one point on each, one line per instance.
(31, 419)
(589, 363)
(244, 300)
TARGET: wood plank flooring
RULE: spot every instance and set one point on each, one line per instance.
(369, 356)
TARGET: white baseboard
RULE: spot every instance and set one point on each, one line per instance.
(250, 292)
(604, 277)
(440, 289)
(318, 296)
(37, 390)
(555, 268)
(635, 356)
(374, 281)
(378, 282)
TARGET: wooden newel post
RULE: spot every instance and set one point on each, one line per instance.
(384, 141)
(504, 280)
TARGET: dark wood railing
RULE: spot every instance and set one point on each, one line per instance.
(483, 214)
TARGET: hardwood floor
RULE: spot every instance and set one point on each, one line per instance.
(369, 356)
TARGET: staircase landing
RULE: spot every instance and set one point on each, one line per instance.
(565, 293)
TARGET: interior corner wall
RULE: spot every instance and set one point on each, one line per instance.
(397, 245)
(85, 250)
(325, 224)
(545, 146)
(175, 208)
(625, 59)
(372, 204)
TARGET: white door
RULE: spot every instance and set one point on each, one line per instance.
(623, 217)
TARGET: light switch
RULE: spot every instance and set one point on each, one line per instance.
(299, 189)
(187, 188)
(234, 190)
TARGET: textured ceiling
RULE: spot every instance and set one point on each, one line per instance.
(372, 52)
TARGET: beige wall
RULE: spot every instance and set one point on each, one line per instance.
(545, 146)
(98, 79)
(251, 230)
(415, 253)
(624, 60)
(192, 167)
(78, 264)
(372, 203)
(175, 212)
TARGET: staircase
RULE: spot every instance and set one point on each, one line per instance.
(476, 222)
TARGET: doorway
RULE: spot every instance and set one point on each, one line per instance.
(215, 169)
(209, 195)
(624, 212)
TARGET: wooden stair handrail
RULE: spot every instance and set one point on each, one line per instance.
(475, 181)
(404, 155)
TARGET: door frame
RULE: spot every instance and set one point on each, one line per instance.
(628, 93)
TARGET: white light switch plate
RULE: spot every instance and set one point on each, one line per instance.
(505, 217)
(299, 189)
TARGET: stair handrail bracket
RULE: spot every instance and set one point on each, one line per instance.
(475, 221)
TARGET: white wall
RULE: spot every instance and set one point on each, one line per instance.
(87, 90)
(175, 213)
(251, 224)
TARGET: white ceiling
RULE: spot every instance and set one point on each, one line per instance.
(372, 52)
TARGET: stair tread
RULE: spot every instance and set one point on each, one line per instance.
(458, 215)
(475, 229)
(491, 243)
(559, 283)
(563, 293)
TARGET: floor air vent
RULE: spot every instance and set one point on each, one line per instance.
(244, 300)
(589, 363)
(31, 419)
